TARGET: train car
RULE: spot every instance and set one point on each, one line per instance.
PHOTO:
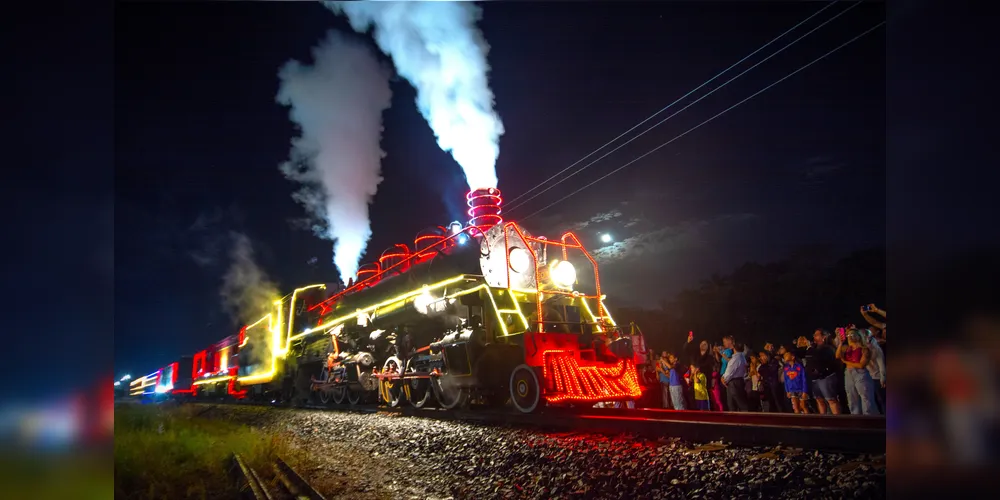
(144, 387)
(214, 369)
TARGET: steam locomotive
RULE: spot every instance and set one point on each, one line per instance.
(484, 312)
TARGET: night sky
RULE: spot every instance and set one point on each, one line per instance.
(199, 137)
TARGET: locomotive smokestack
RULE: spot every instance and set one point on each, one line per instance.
(484, 208)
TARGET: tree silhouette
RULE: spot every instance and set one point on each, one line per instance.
(772, 302)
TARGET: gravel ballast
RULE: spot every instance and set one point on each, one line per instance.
(375, 456)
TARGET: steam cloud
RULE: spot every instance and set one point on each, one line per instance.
(247, 294)
(438, 49)
(337, 104)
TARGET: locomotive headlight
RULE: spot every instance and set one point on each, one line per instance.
(563, 274)
(519, 260)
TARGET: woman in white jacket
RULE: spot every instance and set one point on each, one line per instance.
(876, 367)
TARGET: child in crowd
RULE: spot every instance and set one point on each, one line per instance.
(676, 383)
(754, 387)
(794, 376)
(700, 384)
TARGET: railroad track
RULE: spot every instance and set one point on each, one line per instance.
(842, 433)
(286, 483)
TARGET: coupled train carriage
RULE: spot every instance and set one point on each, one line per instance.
(486, 312)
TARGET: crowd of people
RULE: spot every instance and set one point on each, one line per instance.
(834, 372)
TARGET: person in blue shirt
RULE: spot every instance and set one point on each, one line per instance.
(796, 385)
(724, 353)
(734, 380)
(676, 383)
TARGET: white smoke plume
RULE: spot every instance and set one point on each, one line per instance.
(438, 49)
(337, 104)
(247, 293)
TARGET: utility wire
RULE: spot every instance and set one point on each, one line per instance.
(679, 99)
(692, 129)
(762, 61)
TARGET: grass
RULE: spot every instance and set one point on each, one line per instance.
(82, 475)
(171, 453)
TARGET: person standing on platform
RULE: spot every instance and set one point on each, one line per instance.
(676, 382)
(772, 392)
(857, 380)
(709, 366)
(734, 379)
(663, 373)
(825, 373)
(793, 374)
(876, 367)
(723, 353)
(700, 384)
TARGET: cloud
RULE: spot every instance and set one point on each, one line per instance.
(597, 219)
(688, 234)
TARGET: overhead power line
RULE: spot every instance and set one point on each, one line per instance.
(657, 124)
(692, 129)
(679, 99)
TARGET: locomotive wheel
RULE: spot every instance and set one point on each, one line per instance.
(525, 392)
(392, 391)
(449, 396)
(419, 392)
(339, 393)
(325, 395)
(354, 396)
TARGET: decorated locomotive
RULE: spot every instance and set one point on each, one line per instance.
(484, 312)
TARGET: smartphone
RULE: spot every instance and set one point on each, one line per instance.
(866, 308)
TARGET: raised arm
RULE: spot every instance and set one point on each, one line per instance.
(871, 320)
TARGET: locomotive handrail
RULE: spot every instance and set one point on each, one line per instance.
(565, 246)
(361, 284)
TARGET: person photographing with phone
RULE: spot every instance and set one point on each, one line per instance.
(824, 373)
(866, 312)
(855, 354)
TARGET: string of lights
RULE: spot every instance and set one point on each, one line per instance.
(514, 206)
(692, 129)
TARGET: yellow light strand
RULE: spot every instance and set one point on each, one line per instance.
(268, 375)
(413, 293)
(291, 314)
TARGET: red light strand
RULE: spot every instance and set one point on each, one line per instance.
(484, 208)
(590, 382)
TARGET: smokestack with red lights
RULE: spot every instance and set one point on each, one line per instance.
(484, 208)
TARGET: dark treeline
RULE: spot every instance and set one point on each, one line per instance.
(773, 302)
